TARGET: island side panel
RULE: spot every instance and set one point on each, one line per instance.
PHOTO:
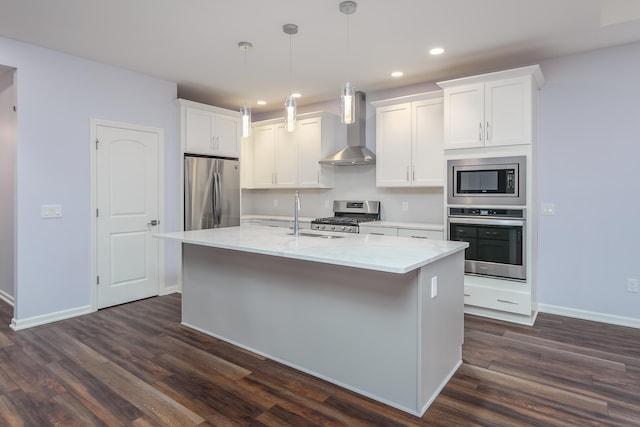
(355, 327)
(442, 325)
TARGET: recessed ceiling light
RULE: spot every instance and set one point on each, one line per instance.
(296, 95)
(436, 51)
(397, 74)
(262, 102)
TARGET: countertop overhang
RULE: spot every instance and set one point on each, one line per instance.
(372, 252)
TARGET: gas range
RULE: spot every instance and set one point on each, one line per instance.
(347, 215)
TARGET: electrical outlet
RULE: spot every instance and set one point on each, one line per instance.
(632, 285)
(405, 206)
(326, 204)
(275, 203)
(434, 287)
(548, 209)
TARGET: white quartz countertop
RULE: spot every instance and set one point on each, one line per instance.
(373, 252)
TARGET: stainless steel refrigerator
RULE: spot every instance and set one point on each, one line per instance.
(212, 192)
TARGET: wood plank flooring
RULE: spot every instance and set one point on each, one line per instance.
(135, 365)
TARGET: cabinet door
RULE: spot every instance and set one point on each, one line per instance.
(427, 154)
(264, 149)
(393, 145)
(286, 157)
(464, 116)
(246, 163)
(199, 138)
(508, 112)
(227, 135)
(309, 136)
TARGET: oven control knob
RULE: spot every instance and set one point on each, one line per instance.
(333, 227)
(344, 228)
(324, 227)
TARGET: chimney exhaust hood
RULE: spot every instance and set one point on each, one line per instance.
(356, 152)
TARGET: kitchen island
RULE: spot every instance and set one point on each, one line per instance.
(379, 315)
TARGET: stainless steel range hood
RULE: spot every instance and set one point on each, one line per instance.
(356, 152)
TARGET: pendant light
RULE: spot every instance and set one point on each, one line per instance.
(245, 110)
(290, 102)
(347, 98)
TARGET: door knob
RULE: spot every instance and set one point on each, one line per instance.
(153, 223)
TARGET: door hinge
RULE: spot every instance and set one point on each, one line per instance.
(97, 280)
(97, 143)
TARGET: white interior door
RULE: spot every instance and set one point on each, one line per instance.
(127, 192)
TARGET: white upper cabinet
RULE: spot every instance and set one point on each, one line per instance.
(409, 137)
(491, 110)
(210, 130)
(282, 159)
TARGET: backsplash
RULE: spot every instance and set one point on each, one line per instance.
(423, 205)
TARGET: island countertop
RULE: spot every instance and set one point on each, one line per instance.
(373, 252)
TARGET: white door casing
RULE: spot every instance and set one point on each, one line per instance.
(126, 171)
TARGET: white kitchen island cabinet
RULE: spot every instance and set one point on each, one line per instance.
(381, 316)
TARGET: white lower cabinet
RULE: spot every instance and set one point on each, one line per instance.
(381, 231)
(282, 159)
(420, 234)
(400, 231)
(518, 302)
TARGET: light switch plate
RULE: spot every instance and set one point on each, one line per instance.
(405, 206)
(51, 211)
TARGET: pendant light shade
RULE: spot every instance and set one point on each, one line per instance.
(290, 113)
(290, 102)
(246, 121)
(245, 110)
(347, 99)
(347, 103)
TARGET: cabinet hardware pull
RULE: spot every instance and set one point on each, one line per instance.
(378, 234)
(419, 237)
(467, 295)
(507, 301)
(413, 173)
(480, 132)
(487, 132)
(407, 173)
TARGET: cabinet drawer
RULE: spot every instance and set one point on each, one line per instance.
(383, 231)
(420, 234)
(497, 299)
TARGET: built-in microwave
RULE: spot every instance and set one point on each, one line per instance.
(487, 181)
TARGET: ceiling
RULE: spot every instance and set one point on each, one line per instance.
(195, 42)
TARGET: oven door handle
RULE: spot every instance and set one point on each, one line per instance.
(486, 221)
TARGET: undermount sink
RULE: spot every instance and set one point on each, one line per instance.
(322, 236)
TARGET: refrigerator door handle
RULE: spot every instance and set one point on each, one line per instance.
(218, 199)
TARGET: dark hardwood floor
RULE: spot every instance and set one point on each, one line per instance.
(135, 365)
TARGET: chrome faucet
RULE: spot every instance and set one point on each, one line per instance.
(296, 208)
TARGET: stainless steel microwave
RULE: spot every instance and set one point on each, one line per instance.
(487, 181)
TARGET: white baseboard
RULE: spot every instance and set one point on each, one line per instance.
(171, 290)
(30, 322)
(6, 298)
(590, 315)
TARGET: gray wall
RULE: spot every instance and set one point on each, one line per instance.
(589, 154)
(57, 95)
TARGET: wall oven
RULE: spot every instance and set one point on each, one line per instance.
(496, 240)
(487, 181)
